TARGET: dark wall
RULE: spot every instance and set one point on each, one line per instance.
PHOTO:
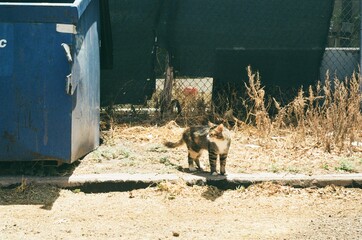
(284, 39)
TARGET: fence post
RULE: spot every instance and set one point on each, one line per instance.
(166, 94)
(360, 45)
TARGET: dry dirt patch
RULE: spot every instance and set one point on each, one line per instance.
(175, 211)
(139, 149)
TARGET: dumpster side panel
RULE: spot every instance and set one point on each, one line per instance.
(86, 98)
(34, 107)
(6, 49)
(49, 91)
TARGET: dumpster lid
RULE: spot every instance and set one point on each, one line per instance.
(40, 11)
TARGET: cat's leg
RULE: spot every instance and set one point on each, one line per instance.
(212, 160)
(191, 164)
(223, 163)
(192, 156)
(198, 163)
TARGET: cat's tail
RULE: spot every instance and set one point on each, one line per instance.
(174, 144)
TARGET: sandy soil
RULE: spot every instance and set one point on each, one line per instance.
(175, 211)
(139, 149)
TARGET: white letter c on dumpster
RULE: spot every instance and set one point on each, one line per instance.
(3, 43)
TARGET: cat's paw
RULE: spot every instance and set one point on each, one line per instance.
(192, 169)
(214, 174)
(201, 168)
(224, 174)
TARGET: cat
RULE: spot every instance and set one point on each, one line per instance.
(214, 138)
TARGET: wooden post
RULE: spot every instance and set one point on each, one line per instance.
(166, 95)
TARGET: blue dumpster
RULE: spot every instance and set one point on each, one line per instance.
(49, 79)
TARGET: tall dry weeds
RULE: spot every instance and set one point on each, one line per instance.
(258, 109)
(298, 111)
(313, 115)
(292, 115)
(341, 111)
(330, 112)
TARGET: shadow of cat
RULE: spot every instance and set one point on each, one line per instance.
(215, 183)
(212, 193)
(203, 173)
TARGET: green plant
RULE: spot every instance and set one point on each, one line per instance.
(240, 189)
(158, 148)
(167, 162)
(325, 166)
(293, 170)
(115, 152)
(346, 166)
(77, 190)
(274, 168)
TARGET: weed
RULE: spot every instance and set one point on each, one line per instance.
(163, 186)
(325, 166)
(23, 186)
(170, 189)
(167, 162)
(240, 189)
(257, 95)
(330, 112)
(158, 149)
(345, 166)
(293, 170)
(164, 160)
(77, 190)
(131, 164)
(115, 153)
(126, 154)
(274, 168)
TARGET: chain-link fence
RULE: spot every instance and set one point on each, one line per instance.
(211, 43)
(341, 57)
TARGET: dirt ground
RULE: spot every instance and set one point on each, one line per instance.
(176, 211)
(139, 149)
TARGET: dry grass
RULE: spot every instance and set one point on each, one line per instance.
(319, 131)
(329, 112)
(29, 194)
(258, 110)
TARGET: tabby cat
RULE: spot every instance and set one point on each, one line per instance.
(214, 138)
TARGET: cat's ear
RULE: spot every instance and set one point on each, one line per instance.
(220, 127)
(210, 124)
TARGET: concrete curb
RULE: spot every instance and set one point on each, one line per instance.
(125, 182)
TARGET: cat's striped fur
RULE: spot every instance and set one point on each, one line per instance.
(214, 138)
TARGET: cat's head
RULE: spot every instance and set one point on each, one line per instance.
(216, 131)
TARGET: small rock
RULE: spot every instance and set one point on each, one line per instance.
(175, 234)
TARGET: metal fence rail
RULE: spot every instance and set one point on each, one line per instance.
(342, 54)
